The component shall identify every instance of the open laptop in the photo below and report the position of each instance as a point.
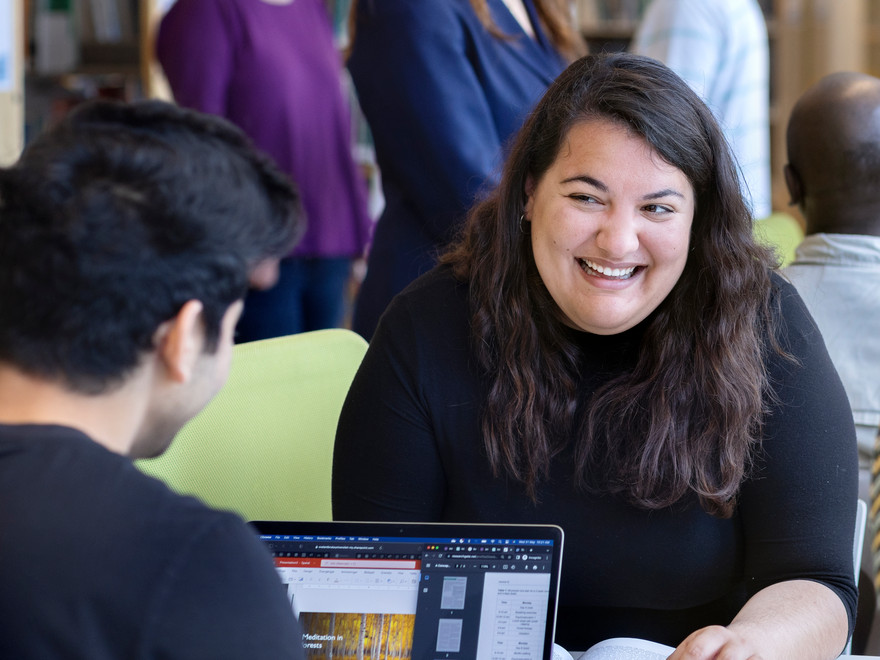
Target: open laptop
(421, 591)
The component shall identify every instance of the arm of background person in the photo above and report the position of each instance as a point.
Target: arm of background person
(798, 514)
(417, 81)
(687, 37)
(194, 47)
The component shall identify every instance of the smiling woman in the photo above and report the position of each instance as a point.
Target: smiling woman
(611, 224)
(608, 349)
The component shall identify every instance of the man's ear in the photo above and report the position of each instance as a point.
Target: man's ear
(180, 340)
(264, 275)
(794, 184)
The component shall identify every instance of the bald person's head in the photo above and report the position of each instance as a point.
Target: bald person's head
(833, 169)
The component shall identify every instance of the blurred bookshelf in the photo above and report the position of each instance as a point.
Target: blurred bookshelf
(75, 50)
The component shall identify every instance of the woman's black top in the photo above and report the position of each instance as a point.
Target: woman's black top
(409, 447)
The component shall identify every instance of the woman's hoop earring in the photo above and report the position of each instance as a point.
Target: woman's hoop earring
(522, 229)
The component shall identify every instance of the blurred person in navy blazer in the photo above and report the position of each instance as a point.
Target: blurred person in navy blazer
(443, 84)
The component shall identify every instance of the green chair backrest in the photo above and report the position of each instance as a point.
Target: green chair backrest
(782, 232)
(263, 447)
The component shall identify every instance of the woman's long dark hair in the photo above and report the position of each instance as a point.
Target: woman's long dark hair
(555, 18)
(688, 417)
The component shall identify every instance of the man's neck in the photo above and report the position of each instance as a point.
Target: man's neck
(842, 215)
(111, 419)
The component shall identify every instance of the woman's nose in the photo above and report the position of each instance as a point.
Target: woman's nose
(617, 235)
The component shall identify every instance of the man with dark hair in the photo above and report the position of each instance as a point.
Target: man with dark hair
(832, 174)
(128, 237)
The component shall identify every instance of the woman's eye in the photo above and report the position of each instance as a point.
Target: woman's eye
(581, 197)
(657, 209)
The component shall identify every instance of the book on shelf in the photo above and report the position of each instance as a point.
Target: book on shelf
(55, 38)
(108, 21)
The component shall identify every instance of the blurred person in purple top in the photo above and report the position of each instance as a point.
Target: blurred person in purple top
(271, 67)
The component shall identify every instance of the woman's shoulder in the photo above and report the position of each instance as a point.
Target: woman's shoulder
(440, 277)
(780, 286)
(436, 295)
(794, 325)
(787, 299)
(429, 321)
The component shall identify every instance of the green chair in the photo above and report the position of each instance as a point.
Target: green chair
(782, 232)
(263, 447)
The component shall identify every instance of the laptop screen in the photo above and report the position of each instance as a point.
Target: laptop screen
(423, 591)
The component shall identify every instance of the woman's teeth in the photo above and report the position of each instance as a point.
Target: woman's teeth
(618, 273)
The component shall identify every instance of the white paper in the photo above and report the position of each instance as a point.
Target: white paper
(626, 648)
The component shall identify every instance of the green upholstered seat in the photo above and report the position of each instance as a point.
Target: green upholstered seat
(263, 447)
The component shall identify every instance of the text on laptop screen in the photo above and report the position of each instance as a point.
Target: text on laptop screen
(418, 597)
